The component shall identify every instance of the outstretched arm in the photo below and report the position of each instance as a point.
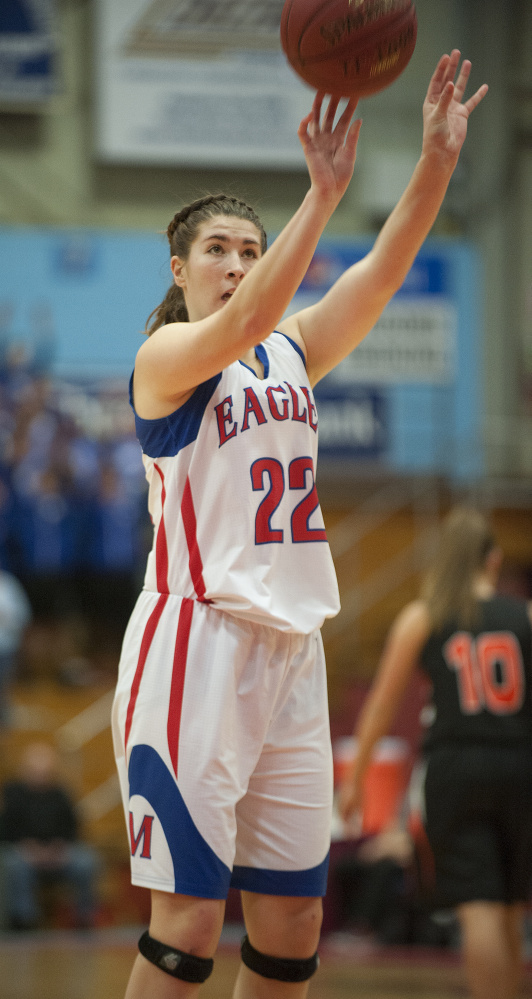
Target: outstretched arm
(399, 659)
(331, 329)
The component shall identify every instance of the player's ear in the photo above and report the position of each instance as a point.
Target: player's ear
(178, 270)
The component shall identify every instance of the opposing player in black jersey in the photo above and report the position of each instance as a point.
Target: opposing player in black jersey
(476, 647)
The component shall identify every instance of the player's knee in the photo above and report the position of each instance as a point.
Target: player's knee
(303, 921)
(281, 969)
(288, 926)
(175, 962)
(191, 924)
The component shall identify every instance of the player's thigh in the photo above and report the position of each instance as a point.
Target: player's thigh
(284, 819)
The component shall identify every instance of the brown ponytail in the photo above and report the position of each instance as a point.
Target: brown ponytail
(181, 233)
(171, 310)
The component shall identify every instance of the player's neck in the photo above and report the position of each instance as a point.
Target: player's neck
(484, 586)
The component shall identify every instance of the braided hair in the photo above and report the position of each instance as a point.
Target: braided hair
(181, 233)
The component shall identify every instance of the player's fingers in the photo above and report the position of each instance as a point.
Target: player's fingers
(473, 101)
(328, 120)
(454, 62)
(446, 97)
(351, 141)
(316, 107)
(437, 78)
(461, 83)
(344, 122)
(451, 67)
(302, 131)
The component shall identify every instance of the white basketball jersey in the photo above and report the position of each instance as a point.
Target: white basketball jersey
(232, 495)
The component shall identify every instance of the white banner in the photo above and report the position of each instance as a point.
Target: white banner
(198, 83)
(413, 341)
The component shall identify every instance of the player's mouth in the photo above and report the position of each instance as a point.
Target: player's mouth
(226, 296)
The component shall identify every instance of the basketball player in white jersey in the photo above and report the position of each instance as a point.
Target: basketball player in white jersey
(220, 717)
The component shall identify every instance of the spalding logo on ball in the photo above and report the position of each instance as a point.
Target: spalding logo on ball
(349, 48)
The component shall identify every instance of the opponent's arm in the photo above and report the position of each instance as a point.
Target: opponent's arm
(334, 326)
(399, 659)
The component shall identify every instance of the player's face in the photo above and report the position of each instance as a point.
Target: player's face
(224, 250)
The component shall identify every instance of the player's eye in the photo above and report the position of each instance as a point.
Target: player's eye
(215, 248)
(250, 253)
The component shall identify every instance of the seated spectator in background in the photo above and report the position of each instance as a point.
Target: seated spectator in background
(39, 831)
(373, 885)
(15, 615)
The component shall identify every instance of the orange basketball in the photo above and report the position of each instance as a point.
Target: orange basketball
(349, 48)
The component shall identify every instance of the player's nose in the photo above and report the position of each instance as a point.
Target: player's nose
(235, 267)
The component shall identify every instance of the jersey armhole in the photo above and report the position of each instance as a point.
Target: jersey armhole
(295, 346)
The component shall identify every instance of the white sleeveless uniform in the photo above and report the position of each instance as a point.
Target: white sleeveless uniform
(220, 720)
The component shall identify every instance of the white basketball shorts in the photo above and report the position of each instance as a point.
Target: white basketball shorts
(222, 743)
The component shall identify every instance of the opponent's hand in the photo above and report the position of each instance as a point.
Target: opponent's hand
(445, 117)
(330, 150)
(349, 799)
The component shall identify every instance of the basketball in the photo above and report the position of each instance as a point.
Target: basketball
(349, 48)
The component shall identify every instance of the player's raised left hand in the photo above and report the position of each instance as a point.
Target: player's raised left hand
(445, 113)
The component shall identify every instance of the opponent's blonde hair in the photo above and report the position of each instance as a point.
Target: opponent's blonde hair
(465, 542)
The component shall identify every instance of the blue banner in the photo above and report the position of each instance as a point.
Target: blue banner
(28, 50)
(409, 397)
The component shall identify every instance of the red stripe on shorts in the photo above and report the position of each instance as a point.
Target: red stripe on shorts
(194, 558)
(161, 545)
(178, 679)
(147, 638)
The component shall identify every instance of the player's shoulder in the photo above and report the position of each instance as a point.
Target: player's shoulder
(414, 620)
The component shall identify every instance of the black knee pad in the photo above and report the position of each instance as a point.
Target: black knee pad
(187, 967)
(284, 969)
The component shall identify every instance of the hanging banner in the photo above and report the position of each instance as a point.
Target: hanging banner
(28, 51)
(196, 82)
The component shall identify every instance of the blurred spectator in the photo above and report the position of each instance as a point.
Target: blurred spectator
(113, 521)
(71, 490)
(37, 428)
(110, 555)
(15, 615)
(39, 831)
(46, 526)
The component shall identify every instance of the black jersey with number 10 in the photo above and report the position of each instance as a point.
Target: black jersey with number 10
(481, 678)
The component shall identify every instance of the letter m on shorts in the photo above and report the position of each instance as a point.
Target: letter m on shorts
(143, 834)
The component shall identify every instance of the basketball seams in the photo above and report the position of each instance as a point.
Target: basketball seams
(377, 33)
(349, 50)
(294, 51)
(291, 51)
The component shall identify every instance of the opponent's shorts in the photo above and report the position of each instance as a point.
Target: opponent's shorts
(478, 819)
(222, 742)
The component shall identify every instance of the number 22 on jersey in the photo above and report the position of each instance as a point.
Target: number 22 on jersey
(269, 472)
